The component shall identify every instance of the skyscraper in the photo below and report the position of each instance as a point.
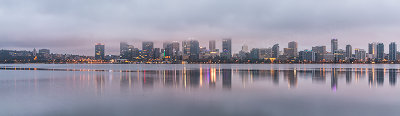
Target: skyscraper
(359, 54)
(99, 51)
(349, 52)
(227, 48)
(147, 49)
(372, 49)
(211, 45)
(392, 51)
(320, 51)
(44, 51)
(175, 47)
(380, 51)
(34, 52)
(191, 49)
(123, 49)
(245, 48)
(168, 49)
(275, 51)
(334, 45)
(293, 46)
(194, 50)
(147, 45)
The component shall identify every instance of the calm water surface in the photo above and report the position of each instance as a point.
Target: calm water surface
(199, 90)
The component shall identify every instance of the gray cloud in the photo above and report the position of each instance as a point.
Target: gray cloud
(261, 23)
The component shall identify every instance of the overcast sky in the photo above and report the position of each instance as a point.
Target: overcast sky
(74, 26)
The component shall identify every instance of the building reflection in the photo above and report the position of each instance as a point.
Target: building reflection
(334, 79)
(227, 78)
(148, 78)
(349, 74)
(371, 77)
(380, 76)
(392, 77)
(101, 82)
(275, 76)
(318, 76)
(291, 77)
(126, 81)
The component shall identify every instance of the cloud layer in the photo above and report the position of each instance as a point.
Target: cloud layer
(77, 24)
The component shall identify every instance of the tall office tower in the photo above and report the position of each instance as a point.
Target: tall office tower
(307, 55)
(319, 49)
(168, 49)
(255, 53)
(194, 50)
(359, 54)
(288, 52)
(211, 45)
(156, 53)
(175, 47)
(349, 52)
(245, 48)
(275, 51)
(34, 52)
(392, 51)
(334, 45)
(372, 49)
(191, 49)
(44, 51)
(147, 45)
(147, 49)
(99, 51)
(227, 48)
(123, 50)
(293, 46)
(380, 51)
(186, 48)
(171, 48)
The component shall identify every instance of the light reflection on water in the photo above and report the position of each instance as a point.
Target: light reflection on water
(202, 91)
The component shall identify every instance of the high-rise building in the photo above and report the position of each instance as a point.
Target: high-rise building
(99, 51)
(275, 51)
(334, 45)
(44, 51)
(307, 55)
(123, 50)
(156, 53)
(175, 47)
(147, 49)
(211, 45)
(372, 49)
(34, 52)
(265, 53)
(392, 51)
(360, 54)
(194, 50)
(320, 51)
(288, 52)
(147, 45)
(191, 49)
(227, 48)
(245, 48)
(255, 53)
(380, 51)
(349, 52)
(293, 45)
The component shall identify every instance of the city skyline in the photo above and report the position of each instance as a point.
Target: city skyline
(76, 25)
(218, 45)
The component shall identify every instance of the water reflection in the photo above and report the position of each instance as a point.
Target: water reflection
(211, 78)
